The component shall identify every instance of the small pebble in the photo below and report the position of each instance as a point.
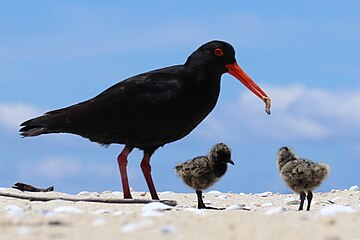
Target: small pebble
(154, 209)
(13, 208)
(335, 209)
(235, 207)
(23, 230)
(101, 211)
(49, 213)
(215, 192)
(13, 190)
(55, 223)
(67, 209)
(58, 202)
(335, 199)
(168, 229)
(289, 199)
(151, 214)
(98, 222)
(156, 206)
(195, 210)
(269, 204)
(117, 193)
(84, 193)
(292, 201)
(166, 192)
(14, 211)
(222, 196)
(275, 210)
(264, 194)
(131, 227)
(354, 188)
(118, 213)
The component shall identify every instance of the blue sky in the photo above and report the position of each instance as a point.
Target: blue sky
(304, 54)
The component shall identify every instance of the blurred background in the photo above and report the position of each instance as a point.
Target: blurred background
(304, 54)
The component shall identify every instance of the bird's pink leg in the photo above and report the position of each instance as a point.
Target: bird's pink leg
(146, 168)
(122, 162)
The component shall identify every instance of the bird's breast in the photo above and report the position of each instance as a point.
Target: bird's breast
(179, 116)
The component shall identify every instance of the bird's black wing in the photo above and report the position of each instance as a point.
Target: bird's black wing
(195, 168)
(115, 114)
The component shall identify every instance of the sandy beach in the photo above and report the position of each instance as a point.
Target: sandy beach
(334, 215)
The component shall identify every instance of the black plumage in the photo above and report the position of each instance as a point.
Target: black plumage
(151, 109)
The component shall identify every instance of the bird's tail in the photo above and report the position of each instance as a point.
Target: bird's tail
(47, 123)
(323, 171)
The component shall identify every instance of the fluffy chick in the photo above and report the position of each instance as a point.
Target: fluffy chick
(202, 172)
(301, 175)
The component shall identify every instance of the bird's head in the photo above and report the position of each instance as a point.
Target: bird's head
(284, 155)
(221, 153)
(218, 57)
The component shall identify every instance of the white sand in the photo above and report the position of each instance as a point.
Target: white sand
(333, 216)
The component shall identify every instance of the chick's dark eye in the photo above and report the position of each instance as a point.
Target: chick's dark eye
(224, 155)
(218, 52)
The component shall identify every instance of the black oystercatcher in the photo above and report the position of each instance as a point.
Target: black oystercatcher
(301, 175)
(202, 172)
(151, 109)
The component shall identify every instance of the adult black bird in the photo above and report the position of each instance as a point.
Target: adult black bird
(151, 109)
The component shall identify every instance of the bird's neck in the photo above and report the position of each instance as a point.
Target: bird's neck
(203, 77)
(283, 161)
(219, 168)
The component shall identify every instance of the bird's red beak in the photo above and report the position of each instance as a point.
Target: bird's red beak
(236, 71)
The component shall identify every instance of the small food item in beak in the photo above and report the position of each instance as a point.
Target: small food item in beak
(267, 104)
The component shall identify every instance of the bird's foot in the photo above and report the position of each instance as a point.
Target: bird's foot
(212, 208)
(127, 196)
(154, 196)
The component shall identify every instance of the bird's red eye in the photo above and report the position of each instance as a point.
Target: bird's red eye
(218, 52)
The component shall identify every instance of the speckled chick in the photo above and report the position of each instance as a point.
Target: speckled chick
(202, 172)
(301, 175)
